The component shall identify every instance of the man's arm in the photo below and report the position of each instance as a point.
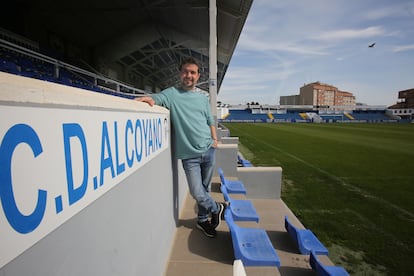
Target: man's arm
(146, 99)
(214, 135)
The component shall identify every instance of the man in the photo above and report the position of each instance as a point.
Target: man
(195, 141)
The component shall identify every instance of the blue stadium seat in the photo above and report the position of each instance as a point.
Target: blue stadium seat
(243, 162)
(305, 240)
(242, 210)
(325, 270)
(246, 163)
(9, 67)
(251, 245)
(233, 186)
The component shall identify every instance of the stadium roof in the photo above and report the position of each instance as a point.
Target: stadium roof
(147, 38)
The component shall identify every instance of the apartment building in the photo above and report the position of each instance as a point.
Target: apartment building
(319, 95)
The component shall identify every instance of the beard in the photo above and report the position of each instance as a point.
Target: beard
(188, 84)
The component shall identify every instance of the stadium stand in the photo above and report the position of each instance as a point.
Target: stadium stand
(334, 118)
(294, 116)
(289, 116)
(24, 62)
(370, 116)
(246, 115)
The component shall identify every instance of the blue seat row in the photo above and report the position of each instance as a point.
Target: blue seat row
(250, 245)
(309, 244)
(28, 66)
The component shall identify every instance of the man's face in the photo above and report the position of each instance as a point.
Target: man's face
(189, 76)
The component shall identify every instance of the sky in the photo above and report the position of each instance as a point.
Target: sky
(285, 44)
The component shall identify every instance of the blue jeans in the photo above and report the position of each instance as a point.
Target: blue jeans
(199, 172)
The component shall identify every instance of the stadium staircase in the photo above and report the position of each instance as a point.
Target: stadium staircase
(225, 116)
(349, 116)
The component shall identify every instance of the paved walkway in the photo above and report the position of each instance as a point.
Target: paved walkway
(195, 254)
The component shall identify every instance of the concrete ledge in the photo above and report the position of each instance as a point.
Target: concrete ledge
(222, 132)
(261, 182)
(226, 158)
(229, 140)
(21, 90)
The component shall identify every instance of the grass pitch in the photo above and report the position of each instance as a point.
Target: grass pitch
(351, 184)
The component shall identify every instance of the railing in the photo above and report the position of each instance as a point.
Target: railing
(99, 81)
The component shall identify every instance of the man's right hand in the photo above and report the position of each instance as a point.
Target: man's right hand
(145, 99)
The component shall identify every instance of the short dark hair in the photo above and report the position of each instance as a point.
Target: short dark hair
(189, 60)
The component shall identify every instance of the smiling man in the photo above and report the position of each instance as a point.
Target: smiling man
(195, 140)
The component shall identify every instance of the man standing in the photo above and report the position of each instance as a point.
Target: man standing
(195, 141)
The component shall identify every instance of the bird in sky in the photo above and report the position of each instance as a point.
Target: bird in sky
(371, 45)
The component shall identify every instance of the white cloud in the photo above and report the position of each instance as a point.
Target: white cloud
(394, 10)
(403, 48)
(260, 45)
(346, 34)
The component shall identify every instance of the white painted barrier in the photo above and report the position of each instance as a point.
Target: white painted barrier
(238, 268)
(62, 150)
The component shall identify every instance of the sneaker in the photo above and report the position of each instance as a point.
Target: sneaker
(205, 226)
(216, 218)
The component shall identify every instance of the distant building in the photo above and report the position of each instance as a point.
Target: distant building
(319, 94)
(405, 104)
(289, 100)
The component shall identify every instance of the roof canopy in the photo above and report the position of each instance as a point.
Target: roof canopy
(145, 38)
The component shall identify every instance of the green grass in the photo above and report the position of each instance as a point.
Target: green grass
(351, 184)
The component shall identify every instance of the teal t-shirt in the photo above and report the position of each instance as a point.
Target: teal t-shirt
(191, 119)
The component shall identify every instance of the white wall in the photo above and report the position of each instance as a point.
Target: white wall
(104, 211)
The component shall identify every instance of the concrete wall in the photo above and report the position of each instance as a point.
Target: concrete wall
(226, 158)
(122, 217)
(261, 182)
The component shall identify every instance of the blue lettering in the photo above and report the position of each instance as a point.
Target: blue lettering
(120, 168)
(159, 133)
(154, 130)
(145, 137)
(130, 158)
(138, 137)
(156, 142)
(150, 142)
(105, 162)
(72, 131)
(17, 134)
